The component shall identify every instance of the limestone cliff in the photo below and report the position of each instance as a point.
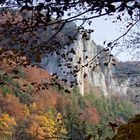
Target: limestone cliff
(79, 63)
(76, 57)
(72, 65)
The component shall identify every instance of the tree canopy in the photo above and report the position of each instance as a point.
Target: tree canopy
(58, 8)
(51, 12)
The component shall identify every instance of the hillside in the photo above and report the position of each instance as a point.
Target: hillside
(34, 105)
(63, 86)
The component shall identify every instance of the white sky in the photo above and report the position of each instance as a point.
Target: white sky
(105, 30)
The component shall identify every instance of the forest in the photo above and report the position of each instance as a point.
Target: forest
(58, 84)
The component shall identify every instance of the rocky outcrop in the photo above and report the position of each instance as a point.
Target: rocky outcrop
(128, 76)
(72, 65)
(81, 63)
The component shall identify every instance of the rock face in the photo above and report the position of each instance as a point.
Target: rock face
(128, 76)
(89, 74)
(72, 64)
(80, 62)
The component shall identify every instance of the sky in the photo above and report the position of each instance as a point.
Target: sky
(105, 30)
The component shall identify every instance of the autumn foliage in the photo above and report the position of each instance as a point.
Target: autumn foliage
(43, 126)
(36, 106)
(7, 125)
(90, 115)
(11, 105)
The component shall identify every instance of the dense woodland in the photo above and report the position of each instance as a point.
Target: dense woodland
(34, 105)
(36, 110)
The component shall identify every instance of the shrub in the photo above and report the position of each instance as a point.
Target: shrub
(42, 126)
(11, 105)
(7, 125)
